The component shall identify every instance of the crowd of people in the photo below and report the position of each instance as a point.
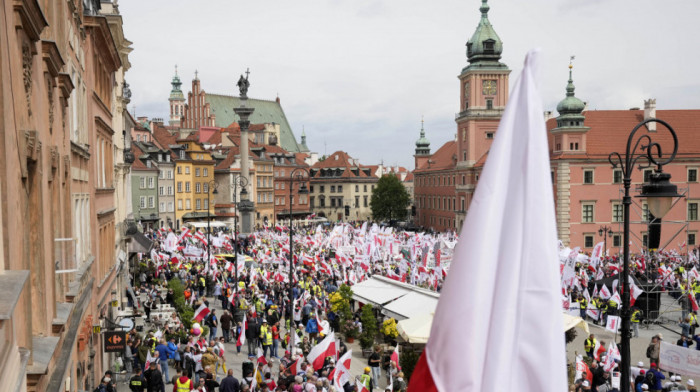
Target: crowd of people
(277, 323)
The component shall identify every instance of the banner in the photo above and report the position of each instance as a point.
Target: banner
(681, 360)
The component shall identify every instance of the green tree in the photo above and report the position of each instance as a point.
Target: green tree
(369, 327)
(390, 199)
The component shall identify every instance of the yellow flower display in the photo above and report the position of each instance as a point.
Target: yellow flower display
(389, 328)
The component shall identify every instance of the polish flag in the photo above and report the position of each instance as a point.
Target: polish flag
(693, 302)
(326, 348)
(634, 292)
(509, 250)
(201, 312)
(295, 366)
(321, 328)
(261, 356)
(241, 337)
(184, 232)
(360, 387)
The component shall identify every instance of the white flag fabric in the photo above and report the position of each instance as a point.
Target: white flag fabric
(508, 253)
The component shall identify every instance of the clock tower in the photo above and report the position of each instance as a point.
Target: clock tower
(483, 97)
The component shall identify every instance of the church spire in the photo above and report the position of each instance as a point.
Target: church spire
(422, 144)
(484, 48)
(176, 92)
(570, 108)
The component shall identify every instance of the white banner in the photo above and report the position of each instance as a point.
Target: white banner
(681, 360)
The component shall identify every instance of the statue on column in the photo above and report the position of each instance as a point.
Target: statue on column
(243, 84)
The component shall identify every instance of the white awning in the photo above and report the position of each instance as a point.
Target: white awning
(410, 305)
(376, 292)
(199, 225)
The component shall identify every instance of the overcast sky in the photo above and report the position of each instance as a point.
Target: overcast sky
(358, 75)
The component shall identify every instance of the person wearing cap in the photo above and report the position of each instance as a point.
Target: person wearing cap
(266, 338)
(657, 377)
(366, 379)
(691, 386)
(585, 386)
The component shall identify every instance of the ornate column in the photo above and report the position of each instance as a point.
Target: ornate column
(245, 206)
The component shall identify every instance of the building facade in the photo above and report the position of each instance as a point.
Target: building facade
(59, 212)
(144, 190)
(339, 181)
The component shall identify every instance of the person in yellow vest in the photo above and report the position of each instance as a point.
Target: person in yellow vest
(366, 379)
(589, 345)
(241, 285)
(583, 304)
(183, 384)
(636, 318)
(266, 338)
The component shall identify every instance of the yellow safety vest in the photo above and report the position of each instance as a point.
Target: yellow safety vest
(635, 316)
(263, 331)
(268, 338)
(590, 344)
(364, 379)
(183, 387)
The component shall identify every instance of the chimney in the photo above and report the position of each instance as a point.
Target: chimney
(650, 112)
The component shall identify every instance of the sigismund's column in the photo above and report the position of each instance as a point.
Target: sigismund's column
(246, 207)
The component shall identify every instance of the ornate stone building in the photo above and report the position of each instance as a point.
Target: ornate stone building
(57, 189)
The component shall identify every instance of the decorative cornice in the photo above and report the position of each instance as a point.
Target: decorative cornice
(31, 18)
(65, 84)
(52, 57)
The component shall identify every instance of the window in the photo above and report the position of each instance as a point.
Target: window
(151, 202)
(645, 240)
(198, 204)
(617, 241)
(647, 174)
(161, 190)
(206, 188)
(161, 174)
(587, 213)
(323, 188)
(321, 201)
(692, 175)
(693, 211)
(365, 201)
(357, 201)
(170, 190)
(179, 204)
(617, 176)
(187, 187)
(142, 201)
(282, 187)
(277, 185)
(357, 188)
(197, 187)
(311, 188)
(645, 212)
(489, 104)
(588, 176)
(206, 204)
(692, 239)
(179, 170)
(169, 174)
(489, 135)
(162, 206)
(332, 188)
(187, 170)
(340, 188)
(179, 186)
(588, 240)
(463, 204)
(372, 188)
(332, 201)
(142, 183)
(617, 212)
(188, 204)
(170, 206)
(206, 172)
(196, 172)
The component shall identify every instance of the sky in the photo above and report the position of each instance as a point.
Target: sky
(358, 75)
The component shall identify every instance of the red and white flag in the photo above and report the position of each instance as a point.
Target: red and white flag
(201, 312)
(395, 357)
(326, 348)
(361, 387)
(295, 366)
(241, 337)
(260, 356)
(508, 249)
(341, 372)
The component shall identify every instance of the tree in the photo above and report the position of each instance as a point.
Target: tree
(369, 327)
(390, 199)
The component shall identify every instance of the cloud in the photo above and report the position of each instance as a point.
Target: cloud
(358, 75)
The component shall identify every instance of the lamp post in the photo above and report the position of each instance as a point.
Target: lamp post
(299, 174)
(212, 184)
(605, 232)
(659, 192)
(242, 182)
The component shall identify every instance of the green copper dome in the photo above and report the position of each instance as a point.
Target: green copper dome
(422, 144)
(570, 108)
(485, 47)
(176, 93)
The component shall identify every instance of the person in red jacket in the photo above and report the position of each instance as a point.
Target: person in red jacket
(183, 384)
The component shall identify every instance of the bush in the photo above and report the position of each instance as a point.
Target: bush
(369, 327)
(408, 360)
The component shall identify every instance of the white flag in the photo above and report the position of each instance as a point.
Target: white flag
(508, 251)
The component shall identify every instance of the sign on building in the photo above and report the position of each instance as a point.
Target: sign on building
(115, 342)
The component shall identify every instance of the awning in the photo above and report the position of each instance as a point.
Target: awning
(574, 321)
(376, 292)
(201, 225)
(139, 243)
(411, 305)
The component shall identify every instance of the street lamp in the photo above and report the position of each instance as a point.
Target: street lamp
(299, 174)
(242, 182)
(605, 232)
(212, 185)
(659, 193)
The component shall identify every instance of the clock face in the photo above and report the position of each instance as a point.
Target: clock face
(466, 90)
(489, 87)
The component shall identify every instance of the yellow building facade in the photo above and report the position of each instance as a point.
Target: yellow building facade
(194, 176)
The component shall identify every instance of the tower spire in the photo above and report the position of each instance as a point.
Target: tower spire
(484, 48)
(422, 144)
(570, 108)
